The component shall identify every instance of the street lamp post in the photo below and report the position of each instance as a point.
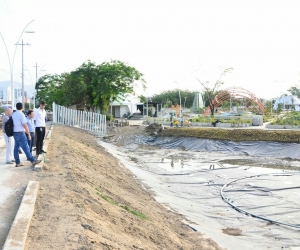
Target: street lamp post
(11, 64)
(22, 44)
(37, 75)
(184, 101)
(12, 67)
(179, 98)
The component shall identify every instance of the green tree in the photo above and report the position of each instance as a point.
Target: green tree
(101, 84)
(211, 89)
(279, 109)
(50, 88)
(170, 97)
(143, 99)
(295, 91)
(91, 85)
(268, 106)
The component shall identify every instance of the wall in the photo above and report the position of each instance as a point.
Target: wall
(124, 110)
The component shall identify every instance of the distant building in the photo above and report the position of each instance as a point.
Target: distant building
(290, 102)
(5, 92)
(130, 104)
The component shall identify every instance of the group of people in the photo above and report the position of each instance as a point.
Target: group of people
(26, 129)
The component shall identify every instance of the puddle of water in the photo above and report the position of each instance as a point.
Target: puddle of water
(264, 163)
(178, 165)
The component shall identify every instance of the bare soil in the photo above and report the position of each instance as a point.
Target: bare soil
(87, 200)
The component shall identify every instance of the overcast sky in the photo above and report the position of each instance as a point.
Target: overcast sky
(165, 40)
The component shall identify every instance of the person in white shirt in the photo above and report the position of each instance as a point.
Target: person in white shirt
(40, 127)
(20, 127)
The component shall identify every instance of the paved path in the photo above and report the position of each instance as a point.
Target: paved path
(13, 182)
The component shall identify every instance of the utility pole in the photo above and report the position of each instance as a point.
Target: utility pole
(23, 100)
(36, 67)
(36, 76)
(179, 98)
(37, 73)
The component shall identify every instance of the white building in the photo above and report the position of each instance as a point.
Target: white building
(5, 91)
(290, 102)
(130, 104)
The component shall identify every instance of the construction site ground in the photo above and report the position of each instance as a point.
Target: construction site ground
(119, 192)
(89, 200)
(188, 175)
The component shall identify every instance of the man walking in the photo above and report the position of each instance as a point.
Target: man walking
(40, 127)
(20, 127)
(10, 142)
(30, 124)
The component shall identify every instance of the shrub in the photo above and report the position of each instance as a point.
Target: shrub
(281, 122)
(202, 119)
(109, 117)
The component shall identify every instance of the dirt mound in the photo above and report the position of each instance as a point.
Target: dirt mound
(154, 128)
(87, 200)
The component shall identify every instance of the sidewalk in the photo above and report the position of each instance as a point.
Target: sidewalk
(13, 182)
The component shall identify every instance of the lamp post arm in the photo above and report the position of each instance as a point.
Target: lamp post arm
(6, 52)
(40, 72)
(29, 73)
(19, 41)
(12, 66)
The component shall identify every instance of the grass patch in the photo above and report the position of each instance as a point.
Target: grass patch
(104, 197)
(134, 212)
(127, 208)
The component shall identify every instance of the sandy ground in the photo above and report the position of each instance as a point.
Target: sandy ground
(87, 200)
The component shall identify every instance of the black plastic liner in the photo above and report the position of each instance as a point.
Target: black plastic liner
(259, 148)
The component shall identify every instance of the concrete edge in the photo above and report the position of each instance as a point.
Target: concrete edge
(17, 236)
(43, 157)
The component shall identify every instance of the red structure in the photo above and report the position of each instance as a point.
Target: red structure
(236, 93)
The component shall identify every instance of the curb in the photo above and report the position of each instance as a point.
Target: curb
(18, 232)
(42, 157)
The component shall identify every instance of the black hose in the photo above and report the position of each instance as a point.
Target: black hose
(255, 215)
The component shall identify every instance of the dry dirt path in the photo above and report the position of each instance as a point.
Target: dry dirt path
(88, 201)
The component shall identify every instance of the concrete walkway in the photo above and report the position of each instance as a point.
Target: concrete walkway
(13, 182)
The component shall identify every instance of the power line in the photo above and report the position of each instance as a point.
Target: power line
(9, 17)
(8, 10)
(4, 71)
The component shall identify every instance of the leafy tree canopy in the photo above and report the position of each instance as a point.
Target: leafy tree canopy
(143, 99)
(295, 91)
(91, 85)
(50, 89)
(170, 97)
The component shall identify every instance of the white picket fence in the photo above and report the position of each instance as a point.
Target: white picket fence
(90, 121)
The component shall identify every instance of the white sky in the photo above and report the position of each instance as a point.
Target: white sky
(165, 40)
